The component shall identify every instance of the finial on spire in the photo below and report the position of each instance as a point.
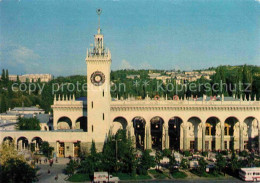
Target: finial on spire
(99, 11)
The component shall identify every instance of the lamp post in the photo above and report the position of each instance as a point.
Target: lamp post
(116, 150)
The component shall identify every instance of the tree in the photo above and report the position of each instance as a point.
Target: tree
(250, 160)
(3, 107)
(28, 124)
(172, 163)
(108, 156)
(146, 161)
(3, 76)
(71, 167)
(46, 149)
(158, 157)
(17, 79)
(16, 170)
(234, 163)
(8, 151)
(93, 150)
(6, 76)
(184, 163)
(202, 166)
(13, 166)
(167, 153)
(221, 162)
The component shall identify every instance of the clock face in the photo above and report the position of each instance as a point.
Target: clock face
(97, 78)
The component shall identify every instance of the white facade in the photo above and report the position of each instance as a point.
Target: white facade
(180, 124)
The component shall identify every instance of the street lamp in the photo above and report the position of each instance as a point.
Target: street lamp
(116, 149)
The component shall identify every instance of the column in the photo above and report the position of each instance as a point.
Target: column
(258, 138)
(222, 136)
(185, 137)
(203, 136)
(132, 134)
(148, 136)
(163, 137)
(241, 134)
(145, 138)
(73, 125)
(166, 137)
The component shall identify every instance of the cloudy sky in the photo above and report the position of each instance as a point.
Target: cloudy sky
(51, 36)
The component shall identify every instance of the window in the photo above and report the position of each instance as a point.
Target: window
(226, 130)
(207, 145)
(207, 131)
(103, 93)
(192, 144)
(225, 145)
(92, 104)
(103, 116)
(213, 145)
(92, 128)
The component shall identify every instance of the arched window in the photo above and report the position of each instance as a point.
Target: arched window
(208, 129)
(227, 129)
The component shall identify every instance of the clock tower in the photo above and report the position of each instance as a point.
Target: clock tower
(98, 61)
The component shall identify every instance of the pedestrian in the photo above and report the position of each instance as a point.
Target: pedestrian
(51, 162)
(40, 161)
(49, 171)
(56, 177)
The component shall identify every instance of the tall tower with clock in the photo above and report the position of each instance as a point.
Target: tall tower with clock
(98, 61)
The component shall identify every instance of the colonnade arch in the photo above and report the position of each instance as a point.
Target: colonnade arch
(157, 132)
(250, 132)
(139, 124)
(37, 141)
(22, 143)
(8, 139)
(174, 126)
(212, 133)
(194, 131)
(64, 123)
(82, 123)
(119, 123)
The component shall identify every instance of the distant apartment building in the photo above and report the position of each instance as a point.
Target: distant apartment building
(154, 75)
(191, 72)
(9, 119)
(133, 76)
(181, 78)
(208, 72)
(31, 77)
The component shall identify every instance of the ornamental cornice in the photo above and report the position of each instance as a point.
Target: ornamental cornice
(185, 108)
(68, 106)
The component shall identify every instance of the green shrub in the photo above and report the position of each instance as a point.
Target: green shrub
(225, 152)
(179, 175)
(243, 153)
(205, 153)
(184, 163)
(186, 153)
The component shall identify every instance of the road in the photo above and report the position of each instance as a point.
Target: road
(56, 169)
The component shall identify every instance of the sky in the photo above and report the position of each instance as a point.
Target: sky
(52, 36)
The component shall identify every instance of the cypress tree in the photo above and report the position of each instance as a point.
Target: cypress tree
(3, 104)
(7, 75)
(3, 75)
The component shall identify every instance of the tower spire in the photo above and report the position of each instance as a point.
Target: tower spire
(99, 11)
